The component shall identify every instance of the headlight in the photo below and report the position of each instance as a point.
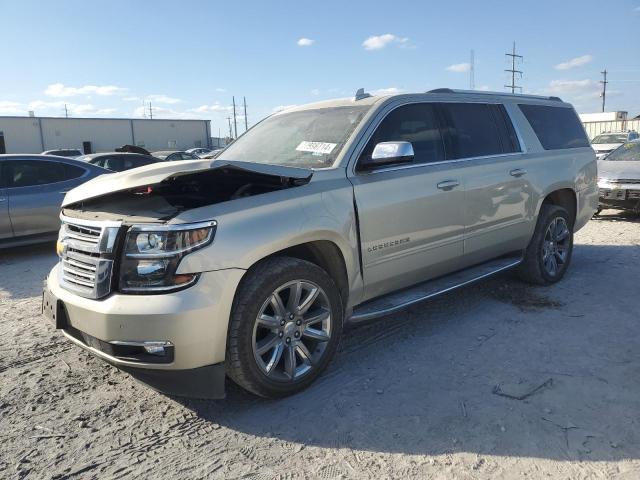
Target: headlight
(152, 254)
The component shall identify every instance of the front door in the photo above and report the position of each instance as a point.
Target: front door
(35, 190)
(410, 215)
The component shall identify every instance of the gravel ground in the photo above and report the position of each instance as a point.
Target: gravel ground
(497, 380)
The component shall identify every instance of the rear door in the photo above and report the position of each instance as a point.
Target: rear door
(410, 215)
(35, 191)
(482, 136)
(5, 223)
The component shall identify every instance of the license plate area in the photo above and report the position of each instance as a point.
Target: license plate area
(54, 310)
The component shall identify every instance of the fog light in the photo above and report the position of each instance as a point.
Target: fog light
(154, 349)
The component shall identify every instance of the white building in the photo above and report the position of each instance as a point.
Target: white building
(37, 134)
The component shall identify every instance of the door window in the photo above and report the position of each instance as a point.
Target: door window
(472, 130)
(28, 173)
(415, 123)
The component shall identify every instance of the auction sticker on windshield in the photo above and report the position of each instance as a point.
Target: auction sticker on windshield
(316, 147)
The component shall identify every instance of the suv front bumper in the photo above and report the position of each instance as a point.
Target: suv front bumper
(190, 325)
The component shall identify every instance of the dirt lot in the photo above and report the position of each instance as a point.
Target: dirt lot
(425, 394)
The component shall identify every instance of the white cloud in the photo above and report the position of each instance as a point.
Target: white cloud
(305, 42)
(221, 90)
(483, 88)
(459, 67)
(637, 9)
(315, 92)
(56, 108)
(377, 42)
(132, 99)
(60, 90)
(387, 91)
(10, 108)
(215, 108)
(280, 108)
(574, 62)
(164, 99)
(571, 86)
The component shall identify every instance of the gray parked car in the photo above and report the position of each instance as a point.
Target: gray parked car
(249, 265)
(619, 178)
(31, 190)
(173, 155)
(64, 152)
(119, 162)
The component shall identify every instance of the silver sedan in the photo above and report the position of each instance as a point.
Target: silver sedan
(31, 190)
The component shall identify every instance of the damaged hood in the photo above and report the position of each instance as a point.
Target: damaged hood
(615, 170)
(158, 172)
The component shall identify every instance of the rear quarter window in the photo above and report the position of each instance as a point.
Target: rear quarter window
(557, 128)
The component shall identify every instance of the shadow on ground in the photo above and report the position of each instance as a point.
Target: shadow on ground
(441, 377)
(23, 269)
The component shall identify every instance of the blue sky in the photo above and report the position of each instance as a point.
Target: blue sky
(188, 57)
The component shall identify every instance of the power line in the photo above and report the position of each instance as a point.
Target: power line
(235, 122)
(472, 73)
(246, 123)
(604, 87)
(513, 70)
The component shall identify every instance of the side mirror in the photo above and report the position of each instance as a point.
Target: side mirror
(388, 153)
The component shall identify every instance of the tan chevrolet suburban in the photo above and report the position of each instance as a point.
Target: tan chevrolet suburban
(250, 265)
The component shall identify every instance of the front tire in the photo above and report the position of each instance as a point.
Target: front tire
(548, 255)
(285, 326)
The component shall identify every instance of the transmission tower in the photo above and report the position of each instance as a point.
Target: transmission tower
(513, 70)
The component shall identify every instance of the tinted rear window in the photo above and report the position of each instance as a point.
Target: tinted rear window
(478, 130)
(557, 128)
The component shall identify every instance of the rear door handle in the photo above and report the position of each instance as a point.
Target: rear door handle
(518, 172)
(448, 185)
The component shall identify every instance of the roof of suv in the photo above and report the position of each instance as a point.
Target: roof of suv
(439, 93)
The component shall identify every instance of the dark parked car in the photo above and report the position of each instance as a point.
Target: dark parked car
(31, 190)
(173, 155)
(64, 152)
(118, 162)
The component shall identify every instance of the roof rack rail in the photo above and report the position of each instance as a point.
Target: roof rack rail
(360, 94)
(441, 90)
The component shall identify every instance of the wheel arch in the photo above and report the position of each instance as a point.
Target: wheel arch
(563, 197)
(326, 255)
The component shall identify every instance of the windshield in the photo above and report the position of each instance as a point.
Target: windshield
(309, 138)
(629, 152)
(611, 138)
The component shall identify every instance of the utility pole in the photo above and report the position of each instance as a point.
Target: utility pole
(604, 88)
(230, 131)
(472, 80)
(235, 122)
(246, 123)
(150, 111)
(66, 112)
(513, 70)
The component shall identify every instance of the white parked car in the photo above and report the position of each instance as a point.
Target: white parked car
(607, 142)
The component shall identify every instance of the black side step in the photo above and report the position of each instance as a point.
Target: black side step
(395, 301)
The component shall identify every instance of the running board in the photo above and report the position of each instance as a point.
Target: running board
(395, 301)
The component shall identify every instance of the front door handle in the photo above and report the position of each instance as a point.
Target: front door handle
(448, 185)
(518, 172)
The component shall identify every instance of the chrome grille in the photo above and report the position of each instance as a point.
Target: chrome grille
(86, 261)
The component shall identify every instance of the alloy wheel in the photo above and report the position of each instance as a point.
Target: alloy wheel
(292, 330)
(555, 249)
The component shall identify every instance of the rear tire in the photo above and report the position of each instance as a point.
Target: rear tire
(285, 327)
(548, 255)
